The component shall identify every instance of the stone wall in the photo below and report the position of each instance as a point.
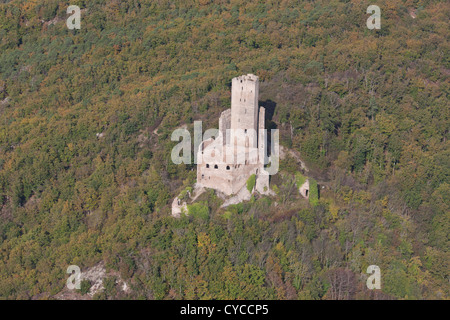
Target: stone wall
(227, 178)
(304, 189)
(224, 125)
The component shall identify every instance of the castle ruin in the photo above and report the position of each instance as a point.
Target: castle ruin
(228, 161)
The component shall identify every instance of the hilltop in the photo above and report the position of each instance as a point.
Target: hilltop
(86, 118)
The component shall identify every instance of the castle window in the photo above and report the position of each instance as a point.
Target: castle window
(207, 165)
(216, 166)
(241, 81)
(245, 130)
(203, 176)
(228, 167)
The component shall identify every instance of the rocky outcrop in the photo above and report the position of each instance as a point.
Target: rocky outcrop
(95, 276)
(242, 195)
(178, 207)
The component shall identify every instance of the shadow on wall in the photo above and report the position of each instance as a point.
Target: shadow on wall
(270, 106)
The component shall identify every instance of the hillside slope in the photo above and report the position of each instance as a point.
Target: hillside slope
(85, 171)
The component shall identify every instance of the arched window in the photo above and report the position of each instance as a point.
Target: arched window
(207, 165)
(216, 166)
(228, 167)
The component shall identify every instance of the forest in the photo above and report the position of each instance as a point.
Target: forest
(86, 174)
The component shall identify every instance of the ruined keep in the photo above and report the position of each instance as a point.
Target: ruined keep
(228, 161)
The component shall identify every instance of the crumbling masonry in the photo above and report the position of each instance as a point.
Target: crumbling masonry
(227, 162)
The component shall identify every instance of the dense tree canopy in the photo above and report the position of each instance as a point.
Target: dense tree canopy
(85, 171)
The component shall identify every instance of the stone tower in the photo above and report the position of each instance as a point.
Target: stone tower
(244, 111)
